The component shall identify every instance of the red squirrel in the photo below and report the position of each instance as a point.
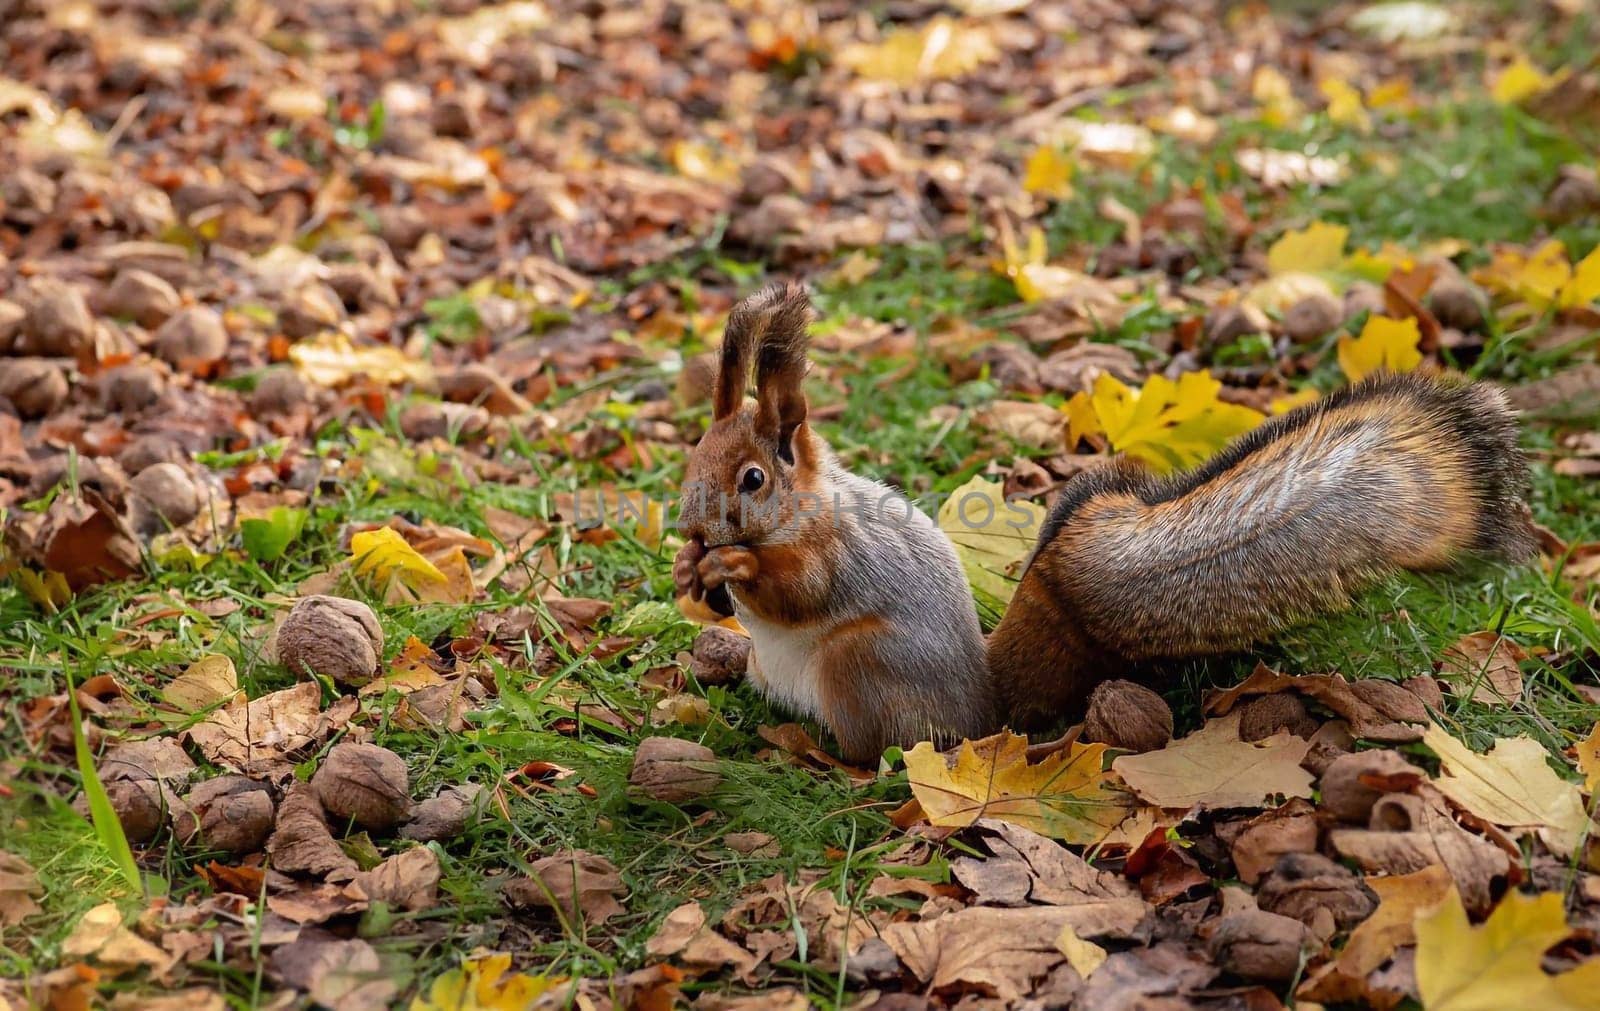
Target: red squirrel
(859, 613)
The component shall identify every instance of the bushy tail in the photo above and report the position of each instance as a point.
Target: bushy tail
(768, 331)
(1396, 472)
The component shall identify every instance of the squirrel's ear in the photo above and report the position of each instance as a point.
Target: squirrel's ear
(781, 364)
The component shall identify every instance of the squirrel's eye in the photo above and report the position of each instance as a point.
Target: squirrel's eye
(753, 479)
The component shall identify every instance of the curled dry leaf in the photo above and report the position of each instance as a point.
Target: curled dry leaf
(1512, 786)
(583, 887)
(408, 880)
(346, 975)
(1476, 865)
(1484, 667)
(1067, 796)
(302, 844)
(684, 937)
(445, 815)
(1213, 766)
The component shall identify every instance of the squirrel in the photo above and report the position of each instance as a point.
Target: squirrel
(860, 615)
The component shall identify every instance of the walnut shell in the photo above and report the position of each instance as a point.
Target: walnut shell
(230, 813)
(445, 815)
(163, 495)
(1256, 944)
(673, 770)
(1128, 716)
(364, 784)
(310, 310)
(58, 323)
(146, 298)
(193, 336)
(139, 806)
(1363, 297)
(1312, 317)
(1265, 715)
(279, 391)
(1457, 303)
(719, 656)
(149, 450)
(1226, 324)
(35, 387)
(1345, 796)
(129, 388)
(331, 636)
(1305, 885)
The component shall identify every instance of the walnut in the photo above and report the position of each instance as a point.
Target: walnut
(1265, 715)
(35, 387)
(720, 655)
(149, 450)
(58, 323)
(309, 310)
(279, 391)
(162, 496)
(1345, 796)
(1256, 944)
(140, 807)
(364, 784)
(331, 636)
(1363, 297)
(673, 770)
(231, 813)
(1127, 716)
(1305, 885)
(1312, 317)
(444, 816)
(141, 296)
(1226, 324)
(1457, 303)
(129, 388)
(192, 337)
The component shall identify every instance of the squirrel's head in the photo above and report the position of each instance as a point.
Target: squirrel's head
(745, 478)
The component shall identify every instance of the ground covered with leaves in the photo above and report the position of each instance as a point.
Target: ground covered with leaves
(349, 356)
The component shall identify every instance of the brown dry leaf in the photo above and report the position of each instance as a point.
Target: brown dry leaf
(584, 887)
(1376, 710)
(99, 935)
(684, 937)
(1374, 941)
(1026, 868)
(1031, 424)
(408, 880)
(19, 887)
(1512, 786)
(411, 670)
(1483, 665)
(302, 844)
(345, 975)
(1213, 766)
(1003, 952)
(79, 536)
(1067, 796)
(262, 738)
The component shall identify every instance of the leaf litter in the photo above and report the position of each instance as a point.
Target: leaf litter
(281, 285)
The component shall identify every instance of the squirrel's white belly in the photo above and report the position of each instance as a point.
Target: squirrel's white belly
(786, 657)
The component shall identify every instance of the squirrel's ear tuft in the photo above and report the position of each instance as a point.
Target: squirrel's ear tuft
(768, 330)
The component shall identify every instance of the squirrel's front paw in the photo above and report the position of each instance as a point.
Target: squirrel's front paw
(727, 564)
(686, 572)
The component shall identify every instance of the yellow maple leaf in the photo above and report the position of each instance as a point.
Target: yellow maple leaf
(483, 984)
(940, 49)
(1520, 81)
(1314, 249)
(1344, 103)
(383, 553)
(1068, 796)
(1538, 277)
(1497, 965)
(1396, 91)
(1584, 285)
(1171, 426)
(1511, 786)
(1385, 344)
(992, 536)
(1273, 92)
(330, 359)
(1034, 278)
(1048, 173)
(1588, 751)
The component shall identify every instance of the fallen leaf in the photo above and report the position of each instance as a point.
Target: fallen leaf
(407, 880)
(1484, 666)
(262, 738)
(1588, 751)
(1048, 173)
(684, 937)
(206, 682)
(1214, 767)
(484, 983)
(1084, 956)
(1315, 249)
(1067, 796)
(100, 936)
(1385, 345)
(992, 536)
(1344, 103)
(1026, 868)
(1032, 424)
(1170, 426)
(19, 887)
(584, 887)
(331, 359)
(1584, 285)
(940, 48)
(301, 842)
(1538, 277)
(344, 975)
(1376, 710)
(383, 554)
(1374, 941)
(1512, 786)
(1497, 965)
(1519, 82)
